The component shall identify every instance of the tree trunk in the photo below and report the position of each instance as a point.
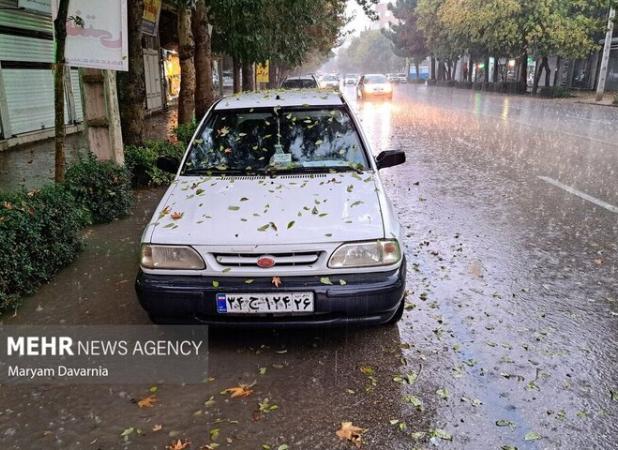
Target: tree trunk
(203, 60)
(496, 69)
(454, 73)
(247, 76)
(131, 84)
(186, 48)
(236, 74)
(448, 70)
(557, 73)
(547, 71)
(523, 73)
(60, 31)
(433, 68)
(486, 71)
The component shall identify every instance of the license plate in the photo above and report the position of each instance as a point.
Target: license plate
(248, 303)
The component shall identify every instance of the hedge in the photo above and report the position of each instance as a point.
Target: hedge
(141, 162)
(102, 188)
(40, 231)
(39, 235)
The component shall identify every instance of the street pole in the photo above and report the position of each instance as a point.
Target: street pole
(606, 51)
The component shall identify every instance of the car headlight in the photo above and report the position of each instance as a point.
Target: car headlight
(171, 257)
(366, 254)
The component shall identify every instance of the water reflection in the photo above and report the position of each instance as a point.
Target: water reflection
(376, 118)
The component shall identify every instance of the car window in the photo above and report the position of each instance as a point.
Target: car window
(276, 139)
(370, 79)
(299, 83)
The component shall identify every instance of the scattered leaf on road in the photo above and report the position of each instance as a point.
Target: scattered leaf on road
(351, 433)
(242, 390)
(147, 402)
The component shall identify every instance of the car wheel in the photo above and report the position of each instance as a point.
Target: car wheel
(398, 314)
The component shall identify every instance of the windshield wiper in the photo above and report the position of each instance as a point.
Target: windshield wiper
(212, 171)
(304, 169)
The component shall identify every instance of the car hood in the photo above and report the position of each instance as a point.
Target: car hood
(251, 210)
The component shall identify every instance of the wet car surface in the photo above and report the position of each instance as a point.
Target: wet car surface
(511, 326)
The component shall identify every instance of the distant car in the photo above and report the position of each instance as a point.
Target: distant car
(350, 78)
(228, 79)
(300, 82)
(374, 85)
(399, 78)
(329, 81)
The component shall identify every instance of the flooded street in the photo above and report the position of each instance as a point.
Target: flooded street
(510, 334)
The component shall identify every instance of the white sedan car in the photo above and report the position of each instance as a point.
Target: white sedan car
(276, 217)
(374, 85)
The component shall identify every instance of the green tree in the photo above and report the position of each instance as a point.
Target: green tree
(371, 51)
(408, 40)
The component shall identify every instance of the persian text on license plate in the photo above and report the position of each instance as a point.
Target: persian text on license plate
(248, 303)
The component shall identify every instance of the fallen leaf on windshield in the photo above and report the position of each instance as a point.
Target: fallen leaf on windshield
(351, 433)
(242, 390)
(177, 215)
(178, 445)
(276, 281)
(157, 427)
(147, 402)
(291, 224)
(233, 208)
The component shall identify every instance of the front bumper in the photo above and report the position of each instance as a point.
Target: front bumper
(365, 299)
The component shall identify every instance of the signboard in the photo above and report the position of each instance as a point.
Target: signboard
(152, 11)
(261, 73)
(43, 6)
(101, 41)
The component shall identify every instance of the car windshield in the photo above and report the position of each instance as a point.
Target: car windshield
(268, 140)
(330, 78)
(299, 83)
(375, 79)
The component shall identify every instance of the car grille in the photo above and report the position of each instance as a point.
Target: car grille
(281, 259)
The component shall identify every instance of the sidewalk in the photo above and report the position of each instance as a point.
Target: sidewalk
(589, 98)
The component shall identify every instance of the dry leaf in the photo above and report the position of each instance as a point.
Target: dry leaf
(242, 390)
(351, 433)
(157, 427)
(176, 215)
(178, 445)
(276, 281)
(147, 402)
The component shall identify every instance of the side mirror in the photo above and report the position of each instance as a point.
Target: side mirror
(390, 158)
(168, 164)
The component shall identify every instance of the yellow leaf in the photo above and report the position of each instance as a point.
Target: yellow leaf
(241, 390)
(276, 281)
(178, 445)
(147, 402)
(351, 433)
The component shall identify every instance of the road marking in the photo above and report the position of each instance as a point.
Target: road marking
(581, 194)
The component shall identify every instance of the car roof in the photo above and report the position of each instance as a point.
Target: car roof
(283, 98)
(300, 77)
(374, 75)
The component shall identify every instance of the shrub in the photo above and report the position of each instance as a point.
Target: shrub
(102, 188)
(39, 234)
(185, 131)
(141, 162)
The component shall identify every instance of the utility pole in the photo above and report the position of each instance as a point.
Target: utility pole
(606, 51)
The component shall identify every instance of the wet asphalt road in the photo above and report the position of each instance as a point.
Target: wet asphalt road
(511, 325)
